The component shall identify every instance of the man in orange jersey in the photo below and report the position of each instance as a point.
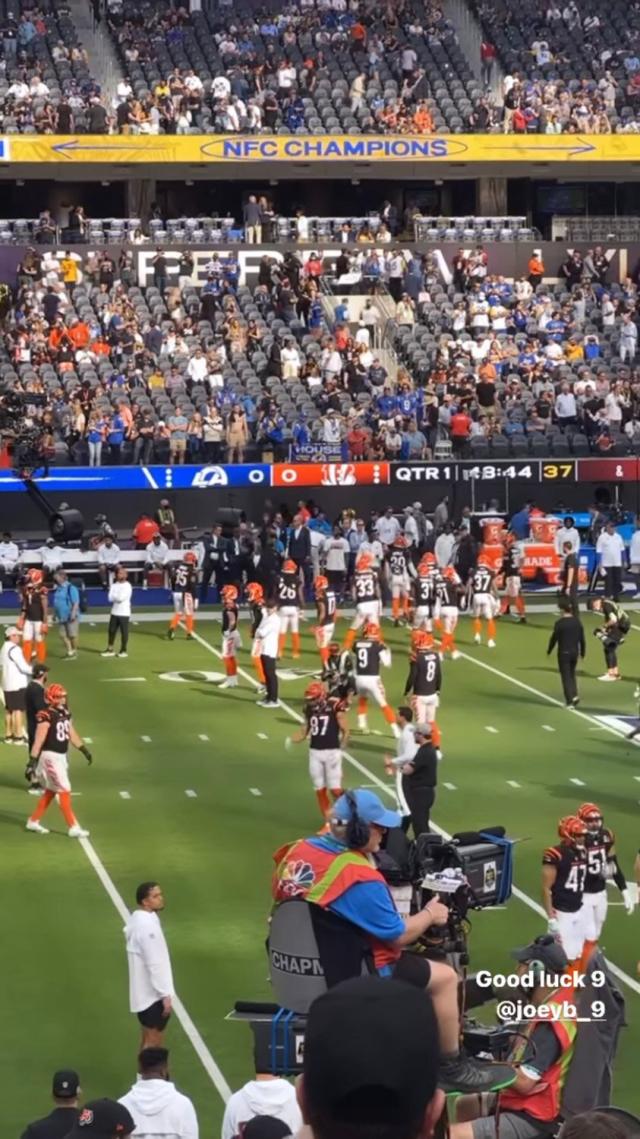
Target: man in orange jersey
(366, 592)
(33, 616)
(230, 635)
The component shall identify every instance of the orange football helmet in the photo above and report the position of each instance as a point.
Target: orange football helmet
(35, 576)
(229, 593)
(364, 562)
(572, 829)
(321, 583)
(591, 815)
(428, 559)
(315, 691)
(289, 566)
(420, 639)
(372, 631)
(449, 573)
(400, 540)
(255, 592)
(55, 694)
(191, 558)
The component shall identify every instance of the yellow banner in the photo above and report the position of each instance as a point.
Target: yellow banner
(228, 149)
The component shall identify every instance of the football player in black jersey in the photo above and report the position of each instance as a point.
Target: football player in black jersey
(255, 597)
(426, 589)
(369, 654)
(33, 619)
(510, 571)
(564, 872)
(326, 606)
(54, 733)
(602, 864)
(290, 603)
(612, 633)
(231, 641)
(184, 587)
(424, 682)
(327, 730)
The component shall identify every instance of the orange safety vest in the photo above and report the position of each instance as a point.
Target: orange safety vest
(544, 1101)
(304, 871)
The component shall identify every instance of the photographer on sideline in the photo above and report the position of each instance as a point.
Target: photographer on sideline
(340, 875)
(543, 1048)
(612, 633)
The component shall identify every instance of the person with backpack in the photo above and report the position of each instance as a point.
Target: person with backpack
(66, 606)
(612, 633)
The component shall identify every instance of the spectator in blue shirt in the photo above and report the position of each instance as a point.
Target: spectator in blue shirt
(300, 432)
(115, 438)
(66, 606)
(519, 524)
(387, 405)
(341, 312)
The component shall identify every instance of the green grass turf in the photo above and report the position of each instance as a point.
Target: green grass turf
(62, 952)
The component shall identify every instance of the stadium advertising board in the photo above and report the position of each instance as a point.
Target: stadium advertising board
(508, 259)
(411, 475)
(229, 150)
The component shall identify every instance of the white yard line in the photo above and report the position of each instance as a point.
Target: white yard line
(488, 728)
(547, 728)
(191, 794)
(146, 739)
(189, 1028)
(449, 786)
(123, 679)
(262, 736)
(512, 783)
(124, 795)
(630, 982)
(256, 791)
(205, 739)
(578, 782)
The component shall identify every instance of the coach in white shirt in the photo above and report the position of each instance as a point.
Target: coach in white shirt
(120, 616)
(15, 677)
(156, 555)
(151, 988)
(610, 550)
(567, 533)
(406, 748)
(267, 640)
(108, 558)
(9, 558)
(387, 527)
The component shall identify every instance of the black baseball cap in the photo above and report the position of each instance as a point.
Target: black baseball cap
(102, 1119)
(371, 1052)
(66, 1083)
(546, 949)
(265, 1127)
(40, 670)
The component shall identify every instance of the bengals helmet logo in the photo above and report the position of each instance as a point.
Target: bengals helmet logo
(86, 1117)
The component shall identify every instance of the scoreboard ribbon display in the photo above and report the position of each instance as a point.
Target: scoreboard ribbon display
(327, 474)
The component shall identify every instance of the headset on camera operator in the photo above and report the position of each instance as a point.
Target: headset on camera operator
(336, 875)
(544, 1048)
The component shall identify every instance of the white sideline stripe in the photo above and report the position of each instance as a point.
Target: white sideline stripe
(146, 739)
(449, 786)
(578, 782)
(542, 695)
(547, 728)
(122, 679)
(630, 982)
(488, 728)
(512, 783)
(88, 739)
(191, 794)
(256, 791)
(205, 739)
(189, 1028)
(262, 736)
(637, 778)
(124, 795)
(376, 732)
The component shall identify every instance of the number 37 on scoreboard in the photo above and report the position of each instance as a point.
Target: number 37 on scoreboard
(559, 470)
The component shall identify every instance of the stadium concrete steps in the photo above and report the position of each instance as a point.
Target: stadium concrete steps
(104, 65)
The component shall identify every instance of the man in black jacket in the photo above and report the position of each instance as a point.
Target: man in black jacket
(419, 779)
(66, 1088)
(299, 545)
(569, 577)
(568, 635)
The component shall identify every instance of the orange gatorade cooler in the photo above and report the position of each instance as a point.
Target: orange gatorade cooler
(544, 530)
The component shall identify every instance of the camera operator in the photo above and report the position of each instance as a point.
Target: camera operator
(340, 875)
(612, 633)
(543, 1048)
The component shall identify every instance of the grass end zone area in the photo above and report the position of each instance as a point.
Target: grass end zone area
(193, 786)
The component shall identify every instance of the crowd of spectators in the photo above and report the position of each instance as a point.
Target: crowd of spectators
(110, 372)
(45, 83)
(566, 69)
(326, 67)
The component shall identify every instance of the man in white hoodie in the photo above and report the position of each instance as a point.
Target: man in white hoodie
(159, 1109)
(265, 1095)
(150, 977)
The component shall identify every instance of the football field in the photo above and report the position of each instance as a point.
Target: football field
(193, 786)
